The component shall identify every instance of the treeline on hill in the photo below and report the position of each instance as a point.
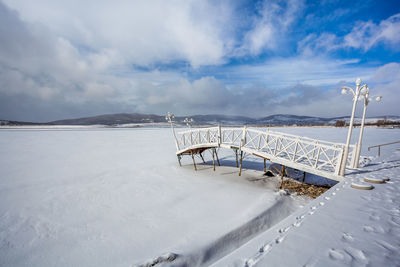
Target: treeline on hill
(379, 123)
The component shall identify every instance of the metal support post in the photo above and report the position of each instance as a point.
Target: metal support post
(216, 155)
(194, 162)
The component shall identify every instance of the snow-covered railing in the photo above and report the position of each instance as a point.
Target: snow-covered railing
(196, 138)
(303, 153)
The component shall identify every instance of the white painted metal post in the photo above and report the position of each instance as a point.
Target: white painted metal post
(317, 159)
(259, 142)
(276, 146)
(358, 147)
(352, 156)
(346, 148)
(170, 118)
(339, 161)
(219, 135)
(244, 135)
(295, 150)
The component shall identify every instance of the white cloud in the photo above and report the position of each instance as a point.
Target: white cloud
(384, 81)
(287, 72)
(365, 35)
(273, 21)
(143, 32)
(313, 44)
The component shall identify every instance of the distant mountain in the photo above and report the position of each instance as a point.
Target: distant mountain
(117, 119)
(20, 123)
(112, 119)
(220, 119)
(136, 118)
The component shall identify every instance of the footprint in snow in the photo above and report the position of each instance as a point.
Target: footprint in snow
(313, 208)
(265, 249)
(300, 217)
(327, 198)
(347, 237)
(250, 263)
(386, 246)
(169, 257)
(374, 218)
(356, 254)
(336, 254)
(321, 203)
(279, 239)
(368, 229)
(297, 224)
(333, 193)
(282, 230)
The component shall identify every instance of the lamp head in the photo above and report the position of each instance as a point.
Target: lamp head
(344, 91)
(378, 98)
(358, 81)
(364, 90)
(169, 117)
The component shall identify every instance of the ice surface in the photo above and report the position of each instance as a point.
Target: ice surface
(117, 197)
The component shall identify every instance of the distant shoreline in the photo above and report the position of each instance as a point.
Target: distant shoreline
(166, 125)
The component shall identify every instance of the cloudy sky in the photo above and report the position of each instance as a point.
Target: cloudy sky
(65, 59)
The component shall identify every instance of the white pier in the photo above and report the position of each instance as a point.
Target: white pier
(305, 154)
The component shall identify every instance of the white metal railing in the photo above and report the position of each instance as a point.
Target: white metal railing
(379, 146)
(295, 151)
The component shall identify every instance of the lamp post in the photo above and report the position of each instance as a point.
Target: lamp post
(188, 122)
(367, 99)
(170, 118)
(356, 93)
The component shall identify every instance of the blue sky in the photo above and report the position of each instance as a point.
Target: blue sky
(65, 59)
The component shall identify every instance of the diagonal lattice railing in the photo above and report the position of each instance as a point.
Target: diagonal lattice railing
(311, 155)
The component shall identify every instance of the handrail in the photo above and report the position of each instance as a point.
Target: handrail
(235, 128)
(379, 146)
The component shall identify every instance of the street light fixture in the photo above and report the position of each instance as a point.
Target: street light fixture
(364, 96)
(170, 118)
(356, 94)
(188, 122)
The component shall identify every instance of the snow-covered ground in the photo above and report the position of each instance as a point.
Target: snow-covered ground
(117, 197)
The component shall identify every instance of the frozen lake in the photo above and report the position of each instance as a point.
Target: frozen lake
(117, 197)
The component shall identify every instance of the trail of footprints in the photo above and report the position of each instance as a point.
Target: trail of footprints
(267, 247)
(348, 254)
(351, 255)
